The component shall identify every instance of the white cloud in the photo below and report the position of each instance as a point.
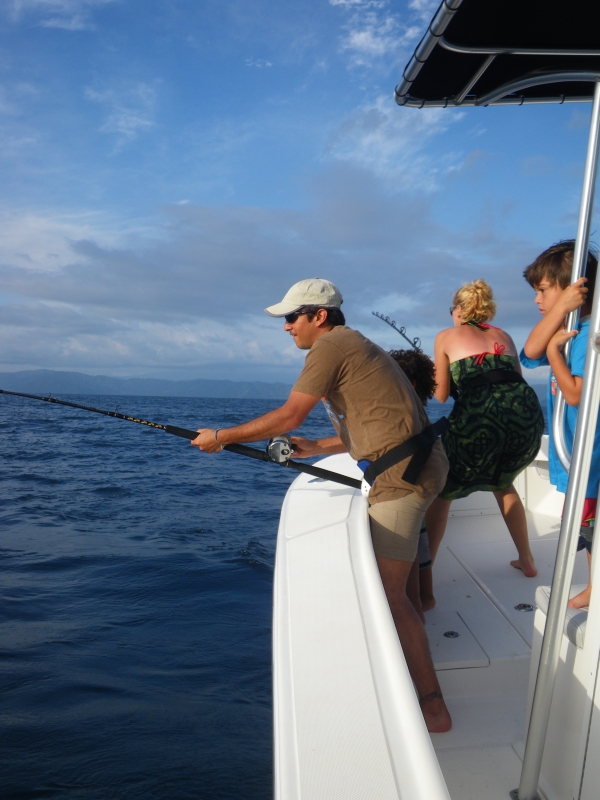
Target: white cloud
(373, 31)
(358, 3)
(80, 293)
(131, 109)
(390, 304)
(7, 106)
(43, 243)
(390, 142)
(371, 35)
(60, 335)
(12, 97)
(424, 8)
(260, 63)
(71, 15)
(17, 135)
(14, 144)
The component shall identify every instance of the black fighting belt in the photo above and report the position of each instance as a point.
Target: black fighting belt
(418, 446)
(492, 376)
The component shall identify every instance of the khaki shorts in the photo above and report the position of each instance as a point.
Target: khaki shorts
(395, 526)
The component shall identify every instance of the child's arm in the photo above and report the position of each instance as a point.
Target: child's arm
(572, 297)
(570, 385)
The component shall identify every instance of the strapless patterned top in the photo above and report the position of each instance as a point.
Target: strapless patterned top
(495, 429)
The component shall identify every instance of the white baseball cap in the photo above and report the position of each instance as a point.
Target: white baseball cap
(311, 292)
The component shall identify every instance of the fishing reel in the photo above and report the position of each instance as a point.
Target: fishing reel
(280, 449)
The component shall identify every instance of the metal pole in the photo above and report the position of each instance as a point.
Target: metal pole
(578, 478)
(582, 243)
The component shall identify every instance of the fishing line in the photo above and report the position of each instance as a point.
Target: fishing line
(276, 452)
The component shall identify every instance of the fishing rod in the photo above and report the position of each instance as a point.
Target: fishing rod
(278, 451)
(416, 342)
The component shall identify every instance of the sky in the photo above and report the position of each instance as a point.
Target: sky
(168, 168)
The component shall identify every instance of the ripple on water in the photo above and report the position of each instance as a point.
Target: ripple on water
(135, 605)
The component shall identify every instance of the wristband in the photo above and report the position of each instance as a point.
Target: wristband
(216, 440)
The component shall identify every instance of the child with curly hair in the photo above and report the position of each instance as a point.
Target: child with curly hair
(420, 370)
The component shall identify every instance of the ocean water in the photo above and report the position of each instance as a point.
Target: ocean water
(135, 603)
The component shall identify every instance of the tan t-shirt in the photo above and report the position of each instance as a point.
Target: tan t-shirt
(372, 406)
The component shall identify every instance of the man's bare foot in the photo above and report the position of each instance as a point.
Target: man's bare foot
(436, 715)
(526, 565)
(428, 603)
(581, 600)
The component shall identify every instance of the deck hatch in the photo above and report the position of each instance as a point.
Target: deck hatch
(459, 651)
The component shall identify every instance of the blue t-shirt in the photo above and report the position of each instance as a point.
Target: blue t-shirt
(558, 475)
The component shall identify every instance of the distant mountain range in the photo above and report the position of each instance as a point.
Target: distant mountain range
(42, 381)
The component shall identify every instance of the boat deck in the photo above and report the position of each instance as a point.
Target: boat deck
(475, 582)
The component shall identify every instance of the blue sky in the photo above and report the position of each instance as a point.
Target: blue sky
(171, 167)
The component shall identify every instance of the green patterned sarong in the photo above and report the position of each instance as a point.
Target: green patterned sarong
(495, 429)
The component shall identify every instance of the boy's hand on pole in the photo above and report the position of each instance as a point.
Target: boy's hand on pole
(574, 296)
(560, 337)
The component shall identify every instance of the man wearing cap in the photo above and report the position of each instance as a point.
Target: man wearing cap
(373, 408)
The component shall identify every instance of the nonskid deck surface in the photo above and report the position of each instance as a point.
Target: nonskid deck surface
(483, 548)
(475, 581)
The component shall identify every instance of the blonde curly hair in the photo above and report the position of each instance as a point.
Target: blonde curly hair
(476, 301)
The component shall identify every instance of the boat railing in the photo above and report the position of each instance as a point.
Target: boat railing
(416, 769)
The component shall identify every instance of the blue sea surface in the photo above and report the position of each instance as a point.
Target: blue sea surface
(135, 604)
(135, 625)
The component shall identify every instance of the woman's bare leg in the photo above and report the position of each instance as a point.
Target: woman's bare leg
(513, 512)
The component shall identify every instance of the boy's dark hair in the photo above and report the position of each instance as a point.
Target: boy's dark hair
(335, 316)
(419, 369)
(556, 264)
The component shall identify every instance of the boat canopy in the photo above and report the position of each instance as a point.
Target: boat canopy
(505, 52)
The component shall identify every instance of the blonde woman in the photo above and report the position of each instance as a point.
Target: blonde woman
(496, 423)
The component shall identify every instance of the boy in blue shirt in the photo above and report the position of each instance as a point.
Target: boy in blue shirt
(550, 275)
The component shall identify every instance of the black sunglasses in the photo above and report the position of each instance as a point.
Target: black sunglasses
(452, 309)
(291, 318)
